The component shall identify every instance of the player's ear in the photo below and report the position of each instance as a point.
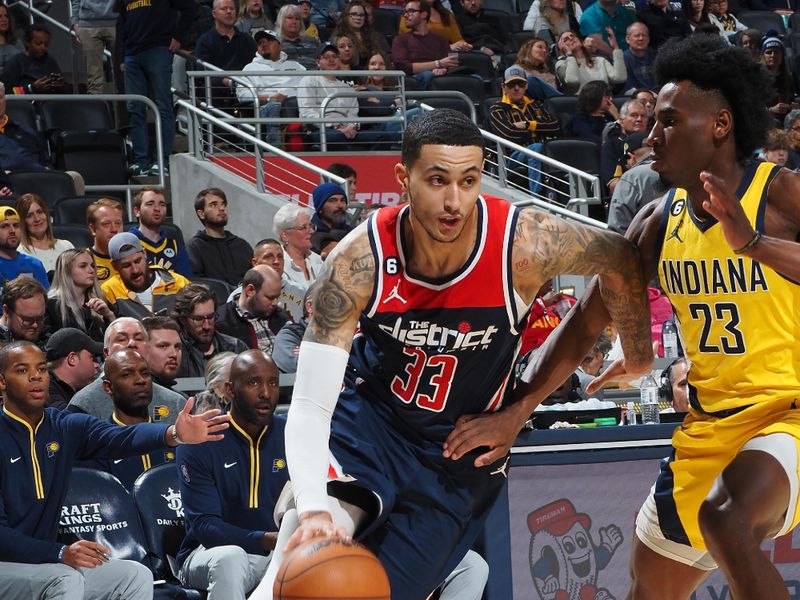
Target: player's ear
(723, 126)
(401, 175)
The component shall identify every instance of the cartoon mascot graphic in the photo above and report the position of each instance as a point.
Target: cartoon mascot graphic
(564, 560)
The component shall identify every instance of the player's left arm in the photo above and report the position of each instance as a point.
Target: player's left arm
(546, 246)
(778, 246)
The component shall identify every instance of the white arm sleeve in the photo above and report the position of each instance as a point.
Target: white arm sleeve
(320, 370)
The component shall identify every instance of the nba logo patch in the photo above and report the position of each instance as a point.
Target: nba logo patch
(52, 448)
(278, 464)
(160, 412)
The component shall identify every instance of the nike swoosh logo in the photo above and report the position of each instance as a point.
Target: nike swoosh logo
(228, 466)
(116, 462)
(13, 460)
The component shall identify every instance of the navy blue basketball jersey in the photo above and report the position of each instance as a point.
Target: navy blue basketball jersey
(429, 351)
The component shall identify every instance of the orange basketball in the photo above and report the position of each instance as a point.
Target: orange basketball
(331, 570)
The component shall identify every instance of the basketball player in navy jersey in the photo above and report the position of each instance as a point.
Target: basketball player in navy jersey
(419, 313)
(733, 477)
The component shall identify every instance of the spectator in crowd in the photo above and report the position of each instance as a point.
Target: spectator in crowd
(218, 371)
(21, 149)
(347, 172)
(33, 563)
(382, 106)
(776, 148)
(523, 121)
(792, 126)
(35, 71)
(595, 111)
(230, 528)
(326, 13)
(9, 44)
(532, 56)
(724, 21)
(164, 247)
(591, 366)
(72, 359)
(104, 219)
(75, 300)
(554, 17)
(348, 56)
(330, 208)
(36, 231)
(23, 311)
(675, 378)
(127, 379)
(696, 12)
(636, 187)
(443, 22)
(13, 262)
(225, 47)
(149, 32)
(252, 17)
(577, 65)
(254, 316)
(484, 31)
(663, 22)
(639, 58)
(271, 90)
(347, 133)
(306, 24)
(95, 27)
(602, 19)
(297, 45)
(421, 53)
(751, 40)
(214, 251)
(195, 311)
(773, 57)
(138, 290)
(618, 142)
(293, 227)
(648, 98)
(354, 24)
(164, 349)
(124, 333)
(287, 342)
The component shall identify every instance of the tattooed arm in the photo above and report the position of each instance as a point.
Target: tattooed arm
(546, 246)
(342, 291)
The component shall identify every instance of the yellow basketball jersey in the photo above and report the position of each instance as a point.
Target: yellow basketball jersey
(739, 320)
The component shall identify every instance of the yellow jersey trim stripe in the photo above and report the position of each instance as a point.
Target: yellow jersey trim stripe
(37, 471)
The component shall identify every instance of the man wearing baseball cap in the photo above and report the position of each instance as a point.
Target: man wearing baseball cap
(13, 263)
(271, 90)
(523, 121)
(72, 359)
(138, 290)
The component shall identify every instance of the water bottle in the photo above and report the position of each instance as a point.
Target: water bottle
(669, 337)
(630, 414)
(648, 394)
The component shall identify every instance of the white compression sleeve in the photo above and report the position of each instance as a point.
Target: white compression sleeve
(320, 370)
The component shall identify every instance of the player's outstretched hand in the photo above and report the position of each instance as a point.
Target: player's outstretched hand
(725, 208)
(616, 373)
(205, 427)
(497, 431)
(315, 525)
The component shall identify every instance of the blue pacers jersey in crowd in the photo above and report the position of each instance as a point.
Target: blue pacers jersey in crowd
(429, 351)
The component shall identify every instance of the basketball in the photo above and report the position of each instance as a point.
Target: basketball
(332, 570)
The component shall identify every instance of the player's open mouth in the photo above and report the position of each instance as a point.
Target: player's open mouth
(448, 222)
(37, 393)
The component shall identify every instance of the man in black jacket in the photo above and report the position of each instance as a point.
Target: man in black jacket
(254, 316)
(195, 312)
(214, 251)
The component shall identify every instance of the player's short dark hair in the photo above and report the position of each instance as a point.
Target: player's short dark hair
(443, 126)
(8, 349)
(711, 65)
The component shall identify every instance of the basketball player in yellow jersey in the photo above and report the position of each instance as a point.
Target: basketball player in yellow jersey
(725, 247)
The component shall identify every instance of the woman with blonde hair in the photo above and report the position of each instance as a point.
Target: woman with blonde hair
(532, 56)
(74, 299)
(36, 231)
(555, 16)
(252, 17)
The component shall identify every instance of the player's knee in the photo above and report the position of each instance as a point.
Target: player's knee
(718, 522)
(229, 559)
(135, 577)
(67, 578)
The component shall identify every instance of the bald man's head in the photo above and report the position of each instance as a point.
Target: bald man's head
(254, 387)
(128, 381)
(261, 289)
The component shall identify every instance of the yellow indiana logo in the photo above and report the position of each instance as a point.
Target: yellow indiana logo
(168, 456)
(160, 412)
(278, 464)
(52, 448)
(103, 273)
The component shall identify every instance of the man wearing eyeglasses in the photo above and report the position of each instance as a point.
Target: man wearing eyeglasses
(13, 263)
(195, 311)
(523, 121)
(23, 310)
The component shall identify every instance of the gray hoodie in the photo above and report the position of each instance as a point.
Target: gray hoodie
(93, 13)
